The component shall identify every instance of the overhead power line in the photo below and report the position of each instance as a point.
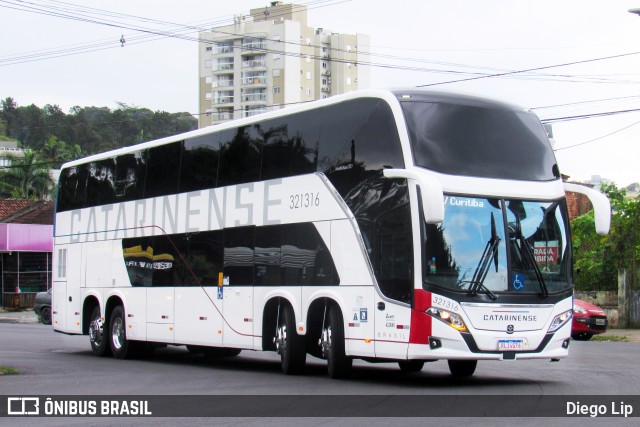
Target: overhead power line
(527, 70)
(588, 116)
(88, 14)
(585, 102)
(598, 138)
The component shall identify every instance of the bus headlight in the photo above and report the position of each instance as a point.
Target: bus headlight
(560, 320)
(452, 319)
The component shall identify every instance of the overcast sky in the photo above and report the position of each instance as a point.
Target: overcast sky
(426, 42)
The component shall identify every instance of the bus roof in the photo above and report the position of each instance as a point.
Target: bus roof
(391, 96)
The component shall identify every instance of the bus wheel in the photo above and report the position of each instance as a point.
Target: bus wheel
(121, 347)
(411, 365)
(462, 368)
(214, 352)
(289, 344)
(233, 352)
(332, 342)
(97, 336)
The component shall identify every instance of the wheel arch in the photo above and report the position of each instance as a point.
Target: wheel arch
(270, 318)
(112, 302)
(91, 301)
(316, 315)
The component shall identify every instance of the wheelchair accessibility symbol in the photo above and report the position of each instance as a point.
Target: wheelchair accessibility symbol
(518, 281)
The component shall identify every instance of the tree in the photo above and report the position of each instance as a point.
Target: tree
(8, 116)
(598, 258)
(55, 152)
(92, 129)
(26, 177)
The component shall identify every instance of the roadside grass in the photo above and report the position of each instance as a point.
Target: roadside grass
(616, 338)
(8, 370)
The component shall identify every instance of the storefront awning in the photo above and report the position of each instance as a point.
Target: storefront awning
(26, 237)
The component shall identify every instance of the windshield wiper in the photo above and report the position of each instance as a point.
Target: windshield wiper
(524, 248)
(477, 286)
(490, 252)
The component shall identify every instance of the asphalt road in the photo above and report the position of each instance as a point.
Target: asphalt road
(55, 364)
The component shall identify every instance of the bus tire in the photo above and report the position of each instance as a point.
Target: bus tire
(98, 335)
(233, 352)
(411, 365)
(121, 347)
(289, 344)
(338, 364)
(462, 368)
(215, 352)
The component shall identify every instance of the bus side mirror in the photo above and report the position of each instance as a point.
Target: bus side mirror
(430, 189)
(601, 206)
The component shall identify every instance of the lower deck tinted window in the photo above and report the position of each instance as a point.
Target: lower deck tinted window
(306, 259)
(204, 257)
(238, 256)
(268, 256)
(277, 255)
(156, 260)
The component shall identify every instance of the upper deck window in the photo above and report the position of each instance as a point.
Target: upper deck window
(479, 141)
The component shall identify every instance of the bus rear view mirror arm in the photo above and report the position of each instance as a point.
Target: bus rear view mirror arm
(430, 189)
(601, 206)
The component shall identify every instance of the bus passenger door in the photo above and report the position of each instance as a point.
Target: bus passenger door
(59, 292)
(67, 302)
(393, 265)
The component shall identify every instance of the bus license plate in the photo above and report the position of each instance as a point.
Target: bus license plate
(510, 345)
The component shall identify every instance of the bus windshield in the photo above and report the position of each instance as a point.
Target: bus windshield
(498, 246)
(479, 141)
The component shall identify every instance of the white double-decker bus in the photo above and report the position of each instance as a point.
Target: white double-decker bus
(398, 226)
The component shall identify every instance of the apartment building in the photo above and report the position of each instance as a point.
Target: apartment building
(271, 58)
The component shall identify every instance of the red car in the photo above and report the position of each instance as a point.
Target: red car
(588, 319)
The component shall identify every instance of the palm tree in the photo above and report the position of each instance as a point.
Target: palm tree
(55, 151)
(26, 177)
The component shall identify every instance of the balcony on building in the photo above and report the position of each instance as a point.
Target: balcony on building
(223, 97)
(224, 48)
(254, 97)
(254, 78)
(222, 114)
(254, 61)
(223, 81)
(223, 66)
(252, 45)
(253, 111)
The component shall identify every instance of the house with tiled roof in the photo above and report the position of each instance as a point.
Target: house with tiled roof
(26, 244)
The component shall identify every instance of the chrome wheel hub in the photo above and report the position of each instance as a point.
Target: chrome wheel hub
(117, 335)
